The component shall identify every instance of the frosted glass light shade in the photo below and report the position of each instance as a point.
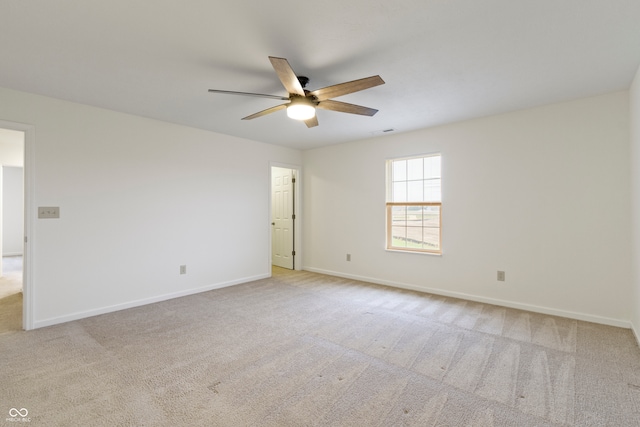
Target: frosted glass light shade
(300, 111)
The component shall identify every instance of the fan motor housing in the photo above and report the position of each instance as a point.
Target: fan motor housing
(303, 81)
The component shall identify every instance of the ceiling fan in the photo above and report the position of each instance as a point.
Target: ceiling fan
(303, 103)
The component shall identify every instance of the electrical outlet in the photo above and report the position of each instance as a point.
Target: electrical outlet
(348, 257)
(183, 269)
(500, 276)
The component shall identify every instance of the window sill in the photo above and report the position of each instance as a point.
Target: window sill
(413, 252)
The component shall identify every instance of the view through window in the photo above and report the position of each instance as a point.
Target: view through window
(414, 204)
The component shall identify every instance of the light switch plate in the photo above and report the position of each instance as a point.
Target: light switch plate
(48, 212)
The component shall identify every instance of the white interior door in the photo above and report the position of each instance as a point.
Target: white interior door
(282, 217)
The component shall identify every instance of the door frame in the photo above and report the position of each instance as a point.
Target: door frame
(28, 230)
(297, 240)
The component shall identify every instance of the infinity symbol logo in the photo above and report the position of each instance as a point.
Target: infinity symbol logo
(13, 412)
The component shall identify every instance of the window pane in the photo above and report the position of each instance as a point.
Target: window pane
(414, 169)
(431, 239)
(398, 216)
(414, 216)
(399, 192)
(431, 216)
(415, 191)
(414, 237)
(432, 167)
(399, 170)
(399, 237)
(415, 228)
(432, 190)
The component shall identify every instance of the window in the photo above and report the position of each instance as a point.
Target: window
(414, 204)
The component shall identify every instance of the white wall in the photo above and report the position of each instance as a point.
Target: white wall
(12, 210)
(138, 198)
(542, 194)
(634, 105)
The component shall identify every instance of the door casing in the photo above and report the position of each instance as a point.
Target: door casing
(297, 228)
(29, 209)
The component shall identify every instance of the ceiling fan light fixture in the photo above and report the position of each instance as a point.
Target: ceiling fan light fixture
(301, 109)
(302, 103)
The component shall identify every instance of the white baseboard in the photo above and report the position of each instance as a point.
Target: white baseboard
(503, 303)
(131, 304)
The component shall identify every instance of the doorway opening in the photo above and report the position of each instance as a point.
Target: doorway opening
(12, 230)
(284, 182)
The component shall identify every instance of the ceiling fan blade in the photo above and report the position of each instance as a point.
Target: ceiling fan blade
(343, 107)
(261, 95)
(312, 122)
(265, 112)
(348, 87)
(286, 75)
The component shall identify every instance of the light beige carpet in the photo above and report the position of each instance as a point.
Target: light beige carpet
(11, 295)
(303, 349)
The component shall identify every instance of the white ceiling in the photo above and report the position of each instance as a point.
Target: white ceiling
(442, 60)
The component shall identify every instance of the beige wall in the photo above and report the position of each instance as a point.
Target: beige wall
(542, 194)
(138, 198)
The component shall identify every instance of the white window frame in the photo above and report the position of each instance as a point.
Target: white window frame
(425, 202)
